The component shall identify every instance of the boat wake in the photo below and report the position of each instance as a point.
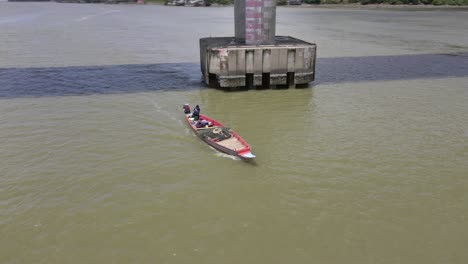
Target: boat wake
(162, 110)
(224, 155)
(83, 18)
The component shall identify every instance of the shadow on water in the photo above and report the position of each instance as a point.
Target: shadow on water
(388, 68)
(114, 79)
(109, 79)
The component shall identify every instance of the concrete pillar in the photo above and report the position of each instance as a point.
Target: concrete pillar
(255, 21)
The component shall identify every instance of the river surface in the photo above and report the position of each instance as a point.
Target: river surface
(367, 165)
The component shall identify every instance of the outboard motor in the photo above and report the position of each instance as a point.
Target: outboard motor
(186, 108)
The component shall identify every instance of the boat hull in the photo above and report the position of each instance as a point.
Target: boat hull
(221, 138)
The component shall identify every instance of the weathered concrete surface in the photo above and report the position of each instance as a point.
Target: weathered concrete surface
(255, 21)
(225, 63)
(255, 56)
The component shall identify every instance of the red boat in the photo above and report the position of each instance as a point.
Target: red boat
(220, 137)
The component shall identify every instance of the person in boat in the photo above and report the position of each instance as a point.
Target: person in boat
(196, 113)
(200, 124)
(187, 109)
(203, 123)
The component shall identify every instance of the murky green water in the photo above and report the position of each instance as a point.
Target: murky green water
(368, 165)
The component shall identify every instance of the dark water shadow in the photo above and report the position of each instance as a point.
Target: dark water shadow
(132, 78)
(109, 79)
(383, 68)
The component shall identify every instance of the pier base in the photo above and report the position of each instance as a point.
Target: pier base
(225, 63)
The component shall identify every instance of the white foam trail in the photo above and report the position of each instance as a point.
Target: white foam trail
(111, 12)
(83, 18)
(161, 110)
(224, 155)
(16, 19)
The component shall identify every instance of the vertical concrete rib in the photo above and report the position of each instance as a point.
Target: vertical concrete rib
(299, 60)
(291, 60)
(258, 61)
(274, 61)
(266, 61)
(232, 63)
(240, 62)
(249, 61)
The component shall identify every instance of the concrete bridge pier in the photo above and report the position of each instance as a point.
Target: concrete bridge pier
(255, 56)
